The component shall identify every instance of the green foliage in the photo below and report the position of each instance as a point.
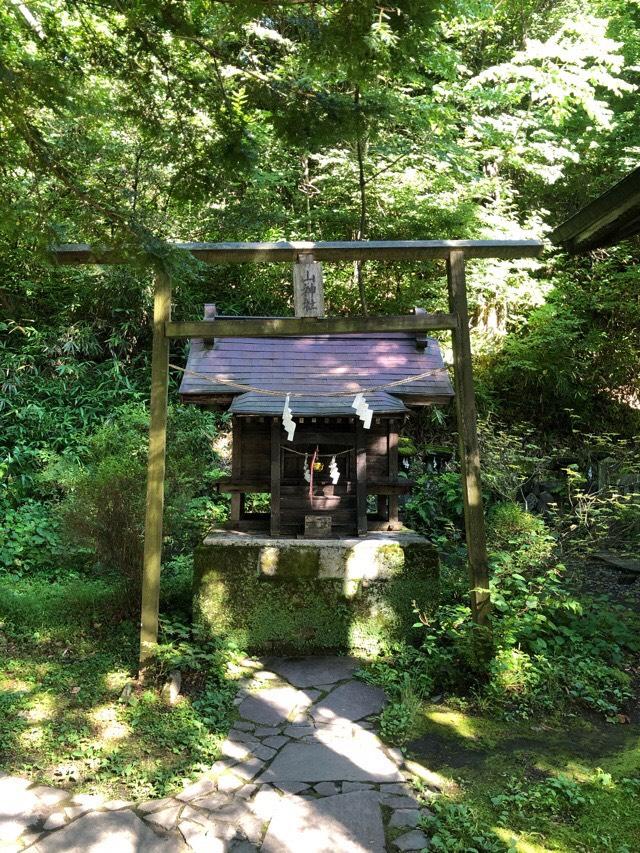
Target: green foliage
(559, 798)
(552, 651)
(456, 828)
(65, 657)
(398, 718)
(29, 537)
(105, 485)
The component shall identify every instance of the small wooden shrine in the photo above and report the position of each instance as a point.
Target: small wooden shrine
(323, 462)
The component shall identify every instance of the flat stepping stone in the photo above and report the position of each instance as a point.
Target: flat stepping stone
(311, 672)
(105, 832)
(349, 823)
(273, 705)
(415, 840)
(405, 817)
(327, 789)
(320, 762)
(276, 741)
(351, 701)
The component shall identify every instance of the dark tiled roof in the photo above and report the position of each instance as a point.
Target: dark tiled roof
(259, 404)
(317, 363)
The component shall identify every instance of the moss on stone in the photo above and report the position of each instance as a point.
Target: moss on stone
(242, 594)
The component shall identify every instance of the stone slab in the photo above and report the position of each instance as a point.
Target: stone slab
(320, 762)
(273, 705)
(405, 817)
(309, 672)
(349, 823)
(351, 701)
(106, 832)
(414, 840)
(275, 741)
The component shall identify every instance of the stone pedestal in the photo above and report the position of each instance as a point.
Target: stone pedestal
(302, 596)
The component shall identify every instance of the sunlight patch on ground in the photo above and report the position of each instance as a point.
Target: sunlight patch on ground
(116, 679)
(460, 724)
(109, 728)
(41, 708)
(15, 685)
(522, 846)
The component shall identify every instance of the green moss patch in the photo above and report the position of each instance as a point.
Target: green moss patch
(270, 598)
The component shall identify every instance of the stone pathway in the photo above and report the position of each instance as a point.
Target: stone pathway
(301, 769)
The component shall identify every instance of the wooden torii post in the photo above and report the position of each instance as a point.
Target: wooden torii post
(453, 252)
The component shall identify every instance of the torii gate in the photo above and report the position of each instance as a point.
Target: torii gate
(454, 252)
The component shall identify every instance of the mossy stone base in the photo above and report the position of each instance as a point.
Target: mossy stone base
(305, 596)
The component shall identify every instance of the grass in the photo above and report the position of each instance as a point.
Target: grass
(65, 656)
(530, 787)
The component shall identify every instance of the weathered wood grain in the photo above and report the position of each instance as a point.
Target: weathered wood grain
(156, 470)
(469, 449)
(249, 327)
(382, 250)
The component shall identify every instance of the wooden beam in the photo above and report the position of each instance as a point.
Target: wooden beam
(361, 479)
(382, 250)
(469, 449)
(156, 466)
(393, 469)
(237, 498)
(276, 428)
(225, 327)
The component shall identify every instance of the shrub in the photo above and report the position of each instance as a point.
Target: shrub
(29, 537)
(104, 488)
(552, 651)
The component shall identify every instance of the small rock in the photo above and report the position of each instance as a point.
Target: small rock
(55, 821)
(171, 690)
(405, 817)
(327, 789)
(125, 696)
(275, 741)
(414, 840)
(197, 789)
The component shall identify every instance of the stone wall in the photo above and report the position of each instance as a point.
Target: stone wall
(302, 596)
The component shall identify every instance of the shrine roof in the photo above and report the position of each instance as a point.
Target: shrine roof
(260, 404)
(318, 363)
